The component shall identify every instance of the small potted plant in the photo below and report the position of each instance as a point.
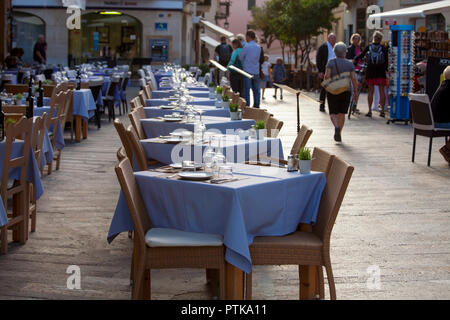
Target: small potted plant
(225, 101)
(18, 98)
(260, 129)
(305, 158)
(235, 113)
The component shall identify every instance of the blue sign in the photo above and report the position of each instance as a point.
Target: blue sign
(159, 50)
(161, 26)
(95, 44)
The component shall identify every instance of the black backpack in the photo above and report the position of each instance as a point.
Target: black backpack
(224, 53)
(375, 56)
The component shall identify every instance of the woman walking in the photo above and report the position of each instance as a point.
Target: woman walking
(377, 66)
(235, 77)
(338, 104)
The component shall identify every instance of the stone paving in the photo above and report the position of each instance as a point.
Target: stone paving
(394, 219)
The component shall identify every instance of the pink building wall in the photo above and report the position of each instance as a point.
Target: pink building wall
(240, 17)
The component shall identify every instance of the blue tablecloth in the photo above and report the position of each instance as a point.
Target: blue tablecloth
(59, 134)
(165, 102)
(161, 74)
(267, 201)
(155, 127)
(192, 88)
(234, 149)
(33, 173)
(83, 104)
(155, 112)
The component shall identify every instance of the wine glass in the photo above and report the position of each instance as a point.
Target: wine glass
(219, 158)
(208, 157)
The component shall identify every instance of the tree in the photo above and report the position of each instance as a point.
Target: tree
(295, 22)
(261, 21)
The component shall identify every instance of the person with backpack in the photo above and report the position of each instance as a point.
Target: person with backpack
(235, 77)
(376, 73)
(223, 53)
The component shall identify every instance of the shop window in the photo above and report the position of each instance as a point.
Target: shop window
(26, 29)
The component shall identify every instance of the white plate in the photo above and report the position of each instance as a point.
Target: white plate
(181, 134)
(174, 140)
(180, 166)
(195, 176)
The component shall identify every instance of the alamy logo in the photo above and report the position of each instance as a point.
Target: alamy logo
(74, 20)
(74, 280)
(373, 23)
(374, 280)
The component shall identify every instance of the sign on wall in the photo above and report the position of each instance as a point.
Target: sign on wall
(160, 26)
(159, 50)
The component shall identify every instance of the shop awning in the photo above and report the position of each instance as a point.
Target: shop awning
(210, 41)
(415, 12)
(215, 28)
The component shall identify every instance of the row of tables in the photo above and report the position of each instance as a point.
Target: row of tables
(262, 201)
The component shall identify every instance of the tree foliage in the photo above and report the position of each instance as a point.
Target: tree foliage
(295, 22)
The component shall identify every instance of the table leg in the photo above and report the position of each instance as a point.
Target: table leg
(85, 129)
(78, 123)
(212, 278)
(234, 283)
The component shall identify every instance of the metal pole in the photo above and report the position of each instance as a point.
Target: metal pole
(298, 112)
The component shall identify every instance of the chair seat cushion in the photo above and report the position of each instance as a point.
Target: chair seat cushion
(162, 237)
(300, 240)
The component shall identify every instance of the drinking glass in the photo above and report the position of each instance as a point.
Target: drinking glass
(226, 172)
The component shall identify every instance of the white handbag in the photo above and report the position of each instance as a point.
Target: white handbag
(339, 83)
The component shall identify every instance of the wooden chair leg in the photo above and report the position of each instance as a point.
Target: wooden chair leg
(414, 148)
(248, 286)
(138, 283)
(222, 283)
(321, 282)
(429, 151)
(58, 160)
(330, 281)
(33, 208)
(49, 170)
(3, 240)
(147, 285)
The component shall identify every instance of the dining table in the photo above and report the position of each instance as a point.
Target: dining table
(156, 127)
(161, 111)
(259, 201)
(235, 149)
(84, 107)
(161, 94)
(167, 101)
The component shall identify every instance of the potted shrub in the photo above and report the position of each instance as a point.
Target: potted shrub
(305, 158)
(235, 113)
(260, 129)
(225, 101)
(18, 98)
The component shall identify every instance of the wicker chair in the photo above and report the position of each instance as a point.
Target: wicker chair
(135, 118)
(423, 122)
(273, 127)
(301, 140)
(120, 128)
(192, 250)
(307, 248)
(142, 98)
(148, 91)
(18, 219)
(138, 151)
(256, 114)
(121, 154)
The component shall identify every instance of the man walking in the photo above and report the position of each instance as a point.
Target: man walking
(252, 58)
(223, 52)
(325, 54)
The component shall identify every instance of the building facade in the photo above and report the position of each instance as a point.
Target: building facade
(161, 30)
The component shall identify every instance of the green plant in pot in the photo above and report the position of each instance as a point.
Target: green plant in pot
(235, 113)
(260, 128)
(18, 98)
(219, 92)
(304, 160)
(225, 101)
